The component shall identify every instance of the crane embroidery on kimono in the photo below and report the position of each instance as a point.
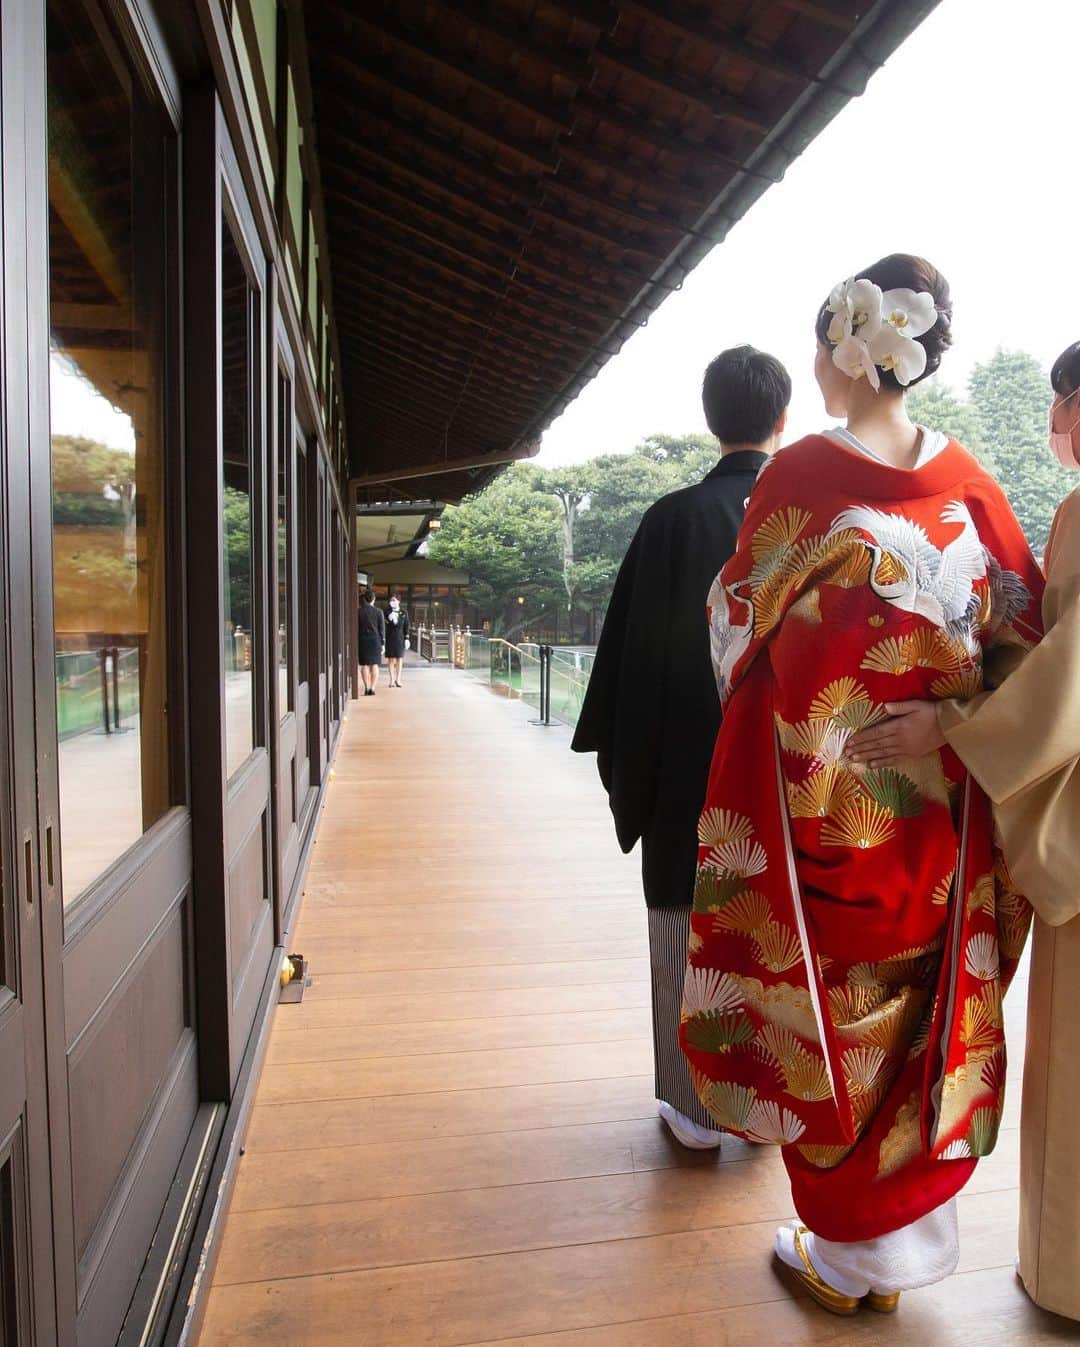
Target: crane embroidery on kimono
(729, 639)
(937, 584)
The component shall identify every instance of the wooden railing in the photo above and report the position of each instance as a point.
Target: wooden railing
(434, 644)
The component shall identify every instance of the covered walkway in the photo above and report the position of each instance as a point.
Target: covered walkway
(454, 1139)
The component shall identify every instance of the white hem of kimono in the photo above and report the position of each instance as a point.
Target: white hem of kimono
(919, 1254)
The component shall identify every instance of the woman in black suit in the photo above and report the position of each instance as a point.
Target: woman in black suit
(371, 634)
(397, 639)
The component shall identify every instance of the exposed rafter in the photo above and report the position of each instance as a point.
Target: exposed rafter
(573, 66)
(357, 66)
(426, 290)
(439, 226)
(399, 392)
(720, 106)
(512, 186)
(343, 149)
(602, 15)
(461, 65)
(429, 245)
(691, 25)
(506, 293)
(663, 183)
(836, 14)
(669, 140)
(413, 317)
(470, 384)
(455, 358)
(610, 204)
(434, 469)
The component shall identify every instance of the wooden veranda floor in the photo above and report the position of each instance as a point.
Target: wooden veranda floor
(454, 1139)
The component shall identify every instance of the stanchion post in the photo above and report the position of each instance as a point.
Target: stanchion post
(116, 685)
(103, 656)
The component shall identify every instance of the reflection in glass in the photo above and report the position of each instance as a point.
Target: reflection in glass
(303, 635)
(106, 281)
(285, 443)
(239, 328)
(337, 660)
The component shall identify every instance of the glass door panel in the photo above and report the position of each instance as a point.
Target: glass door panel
(239, 333)
(121, 1050)
(107, 304)
(303, 533)
(284, 546)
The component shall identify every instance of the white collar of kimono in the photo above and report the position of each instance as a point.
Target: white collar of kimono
(931, 443)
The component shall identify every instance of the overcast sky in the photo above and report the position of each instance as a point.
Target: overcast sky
(79, 409)
(963, 149)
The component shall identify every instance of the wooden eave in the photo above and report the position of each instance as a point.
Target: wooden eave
(512, 187)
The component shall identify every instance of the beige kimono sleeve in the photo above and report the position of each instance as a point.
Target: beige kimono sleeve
(1022, 742)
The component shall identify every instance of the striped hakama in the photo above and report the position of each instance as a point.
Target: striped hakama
(669, 931)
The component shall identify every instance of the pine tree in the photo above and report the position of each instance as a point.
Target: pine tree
(1011, 394)
(936, 406)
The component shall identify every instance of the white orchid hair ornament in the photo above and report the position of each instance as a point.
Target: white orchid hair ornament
(874, 329)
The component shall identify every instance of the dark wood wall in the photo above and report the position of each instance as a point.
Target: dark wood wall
(163, 269)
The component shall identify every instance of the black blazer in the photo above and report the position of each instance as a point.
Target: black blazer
(396, 633)
(651, 712)
(370, 623)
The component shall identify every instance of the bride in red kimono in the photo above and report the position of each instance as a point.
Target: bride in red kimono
(854, 930)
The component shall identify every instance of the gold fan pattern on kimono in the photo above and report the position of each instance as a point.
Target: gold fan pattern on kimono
(825, 1035)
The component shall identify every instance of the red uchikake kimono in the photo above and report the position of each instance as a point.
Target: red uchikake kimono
(853, 931)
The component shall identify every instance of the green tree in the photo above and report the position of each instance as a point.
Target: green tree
(82, 466)
(935, 405)
(1011, 394)
(570, 488)
(508, 540)
(685, 458)
(557, 536)
(91, 482)
(621, 488)
(236, 522)
(601, 503)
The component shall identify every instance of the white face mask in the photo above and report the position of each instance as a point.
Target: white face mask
(1066, 451)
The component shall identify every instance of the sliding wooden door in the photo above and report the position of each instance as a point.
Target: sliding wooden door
(307, 772)
(27, 1294)
(228, 547)
(320, 590)
(113, 837)
(337, 630)
(290, 740)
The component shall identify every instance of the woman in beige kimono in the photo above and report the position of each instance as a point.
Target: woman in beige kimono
(1022, 743)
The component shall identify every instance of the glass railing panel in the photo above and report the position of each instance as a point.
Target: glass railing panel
(97, 691)
(567, 692)
(530, 666)
(477, 655)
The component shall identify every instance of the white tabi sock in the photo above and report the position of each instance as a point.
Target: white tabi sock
(787, 1253)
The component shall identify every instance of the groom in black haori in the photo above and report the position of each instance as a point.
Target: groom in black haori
(652, 710)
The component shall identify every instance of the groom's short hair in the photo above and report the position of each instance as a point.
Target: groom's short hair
(744, 393)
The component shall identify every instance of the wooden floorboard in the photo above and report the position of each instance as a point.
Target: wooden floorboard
(454, 1139)
(329, 1042)
(436, 983)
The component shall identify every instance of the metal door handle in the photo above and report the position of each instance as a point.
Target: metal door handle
(28, 866)
(49, 867)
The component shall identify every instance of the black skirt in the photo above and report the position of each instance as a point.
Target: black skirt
(369, 650)
(395, 640)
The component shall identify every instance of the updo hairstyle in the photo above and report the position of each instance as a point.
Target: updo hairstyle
(901, 271)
